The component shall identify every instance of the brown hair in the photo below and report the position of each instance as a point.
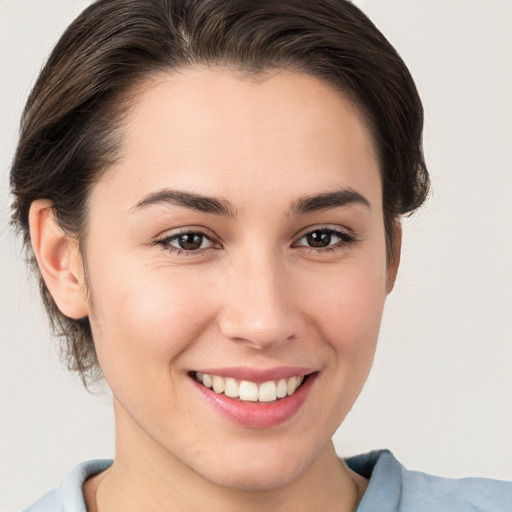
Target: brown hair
(70, 123)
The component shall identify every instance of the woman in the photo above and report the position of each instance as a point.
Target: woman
(215, 213)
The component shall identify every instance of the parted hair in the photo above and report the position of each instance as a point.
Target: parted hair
(71, 125)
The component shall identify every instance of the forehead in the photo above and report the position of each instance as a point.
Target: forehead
(211, 130)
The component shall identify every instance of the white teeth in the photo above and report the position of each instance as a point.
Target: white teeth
(232, 388)
(250, 391)
(207, 380)
(292, 385)
(282, 388)
(218, 384)
(267, 392)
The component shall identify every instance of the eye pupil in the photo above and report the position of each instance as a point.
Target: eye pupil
(190, 241)
(319, 238)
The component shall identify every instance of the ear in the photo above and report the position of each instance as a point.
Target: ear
(59, 260)
(394, 257)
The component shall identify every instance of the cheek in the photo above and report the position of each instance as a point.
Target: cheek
(348, 309)
(143, 321)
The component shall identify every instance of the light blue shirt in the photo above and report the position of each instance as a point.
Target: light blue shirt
(392, 488)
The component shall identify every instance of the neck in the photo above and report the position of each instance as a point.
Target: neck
(145, 477)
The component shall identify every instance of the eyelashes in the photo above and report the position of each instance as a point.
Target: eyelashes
(188, 242)
(325, 239)
(319, 240)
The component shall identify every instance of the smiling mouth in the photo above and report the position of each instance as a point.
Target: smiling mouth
(247, 391)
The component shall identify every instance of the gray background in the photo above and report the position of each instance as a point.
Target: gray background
(440, 394)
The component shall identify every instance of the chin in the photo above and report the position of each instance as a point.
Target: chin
(262, 471)
(261, 477)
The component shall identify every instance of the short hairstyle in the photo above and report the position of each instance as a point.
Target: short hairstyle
(70, 125)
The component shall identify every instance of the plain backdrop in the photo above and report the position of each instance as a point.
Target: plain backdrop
(440, 394)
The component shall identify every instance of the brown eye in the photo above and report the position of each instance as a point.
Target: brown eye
(190, 241)
(319, 238)
(325, 239)
(186, 242)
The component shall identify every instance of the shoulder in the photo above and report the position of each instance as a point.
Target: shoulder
(52, 501)
(401, 490)
(464, 494)
(68, 496)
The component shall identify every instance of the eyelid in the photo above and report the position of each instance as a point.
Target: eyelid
(347, 237)
(183, 230)
(335, 228)
(164, 240)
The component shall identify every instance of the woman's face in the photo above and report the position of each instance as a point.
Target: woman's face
(240, 235)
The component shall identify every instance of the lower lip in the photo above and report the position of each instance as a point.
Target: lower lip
(258, 414)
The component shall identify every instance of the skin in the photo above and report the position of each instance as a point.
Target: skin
(257, 296)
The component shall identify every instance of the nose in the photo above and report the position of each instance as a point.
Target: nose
(259, 305)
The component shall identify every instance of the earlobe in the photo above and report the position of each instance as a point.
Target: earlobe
(394, 257)
(58, 259)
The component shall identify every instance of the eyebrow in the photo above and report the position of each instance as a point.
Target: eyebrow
(306, 204)
(328, 200)
(197, 202)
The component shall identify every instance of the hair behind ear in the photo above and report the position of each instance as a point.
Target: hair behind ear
(394, 253)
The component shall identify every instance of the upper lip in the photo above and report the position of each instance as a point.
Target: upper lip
(258, 375)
